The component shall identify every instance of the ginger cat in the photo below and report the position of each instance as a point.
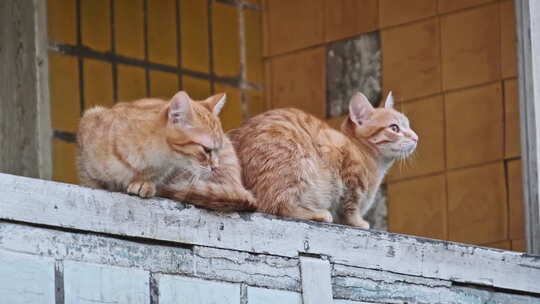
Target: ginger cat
(175, 148)
(298, 166)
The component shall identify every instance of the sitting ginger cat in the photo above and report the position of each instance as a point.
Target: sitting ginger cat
(175, 149)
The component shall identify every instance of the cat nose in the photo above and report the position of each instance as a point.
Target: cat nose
(414, 137)
(214, 161)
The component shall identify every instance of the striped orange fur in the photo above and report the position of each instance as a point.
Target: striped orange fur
(173, 148)
(298, 166)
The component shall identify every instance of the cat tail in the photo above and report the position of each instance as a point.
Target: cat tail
(218, 197)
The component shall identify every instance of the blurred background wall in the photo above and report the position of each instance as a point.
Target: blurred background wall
(450, 63)
(106, 51)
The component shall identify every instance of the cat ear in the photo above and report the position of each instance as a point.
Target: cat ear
(389, 102)
(215, 103)
(180, 111)
(360, 109)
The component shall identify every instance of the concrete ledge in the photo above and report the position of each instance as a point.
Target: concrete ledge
(69, 207)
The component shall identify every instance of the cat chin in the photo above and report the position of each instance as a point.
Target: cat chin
(399, 154)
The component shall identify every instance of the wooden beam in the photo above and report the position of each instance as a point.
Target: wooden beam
(25, 129)
(52, 204)
(316, 280)
(528, 33)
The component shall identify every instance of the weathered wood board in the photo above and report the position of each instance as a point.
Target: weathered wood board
(69, 206)
(173, 250)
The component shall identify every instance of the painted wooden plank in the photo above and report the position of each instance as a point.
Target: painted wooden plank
(183, 290)
(91, 283)
(316, 281)
(351, 302)
(356, 283)
(207, 263)
(69, 206)
(26, 279)
(270, 296)
(373, 286)
(528, 33)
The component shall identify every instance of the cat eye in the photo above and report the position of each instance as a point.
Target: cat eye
(394, 128)
(207, 150)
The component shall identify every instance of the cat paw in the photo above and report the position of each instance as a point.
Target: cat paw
(364, 225)
(323, 216)
(142, 189)
(360, 223)
(356, 220)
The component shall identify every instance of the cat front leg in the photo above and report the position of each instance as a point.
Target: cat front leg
(351, 214)
(317, 215)
(355, 219)
(144, 189)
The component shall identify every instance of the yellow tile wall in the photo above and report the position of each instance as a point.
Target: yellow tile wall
(129, 28)
(446, 6)
(131, 83)
(163, 84)
(61, 21)
(254, 46)
(413, 69)
(196, 87)
(508, 39)
(346, 18)
(194, 34)
(477, 204)
(427, 116)
(293, 25)
(474, 126)
(255, 101)
(512, 137)
(471, 47)
(64, 161)
(451, 64)
(461, 55)
(226, 52)
(130, 49)
(515, 200)
(64, 90)
(418, 207)
(299, 80)
(95, 24)
(162, 33)
(231, 114)
(396, 12)
(98, 86)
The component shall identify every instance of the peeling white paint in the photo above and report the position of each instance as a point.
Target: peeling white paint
(159, 237)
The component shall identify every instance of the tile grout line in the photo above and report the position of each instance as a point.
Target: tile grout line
(243, 59)
(211, 45)
(86, 52)
(146, 47)
(473, 166)
(451, 91)
(445, 131)
(506, 175)
(422, 19)
(79, 57)
(507, 205)
(179, 44)
(249, 6)
(113, 49)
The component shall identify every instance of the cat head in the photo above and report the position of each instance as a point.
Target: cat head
(384, 128)
(194, 130)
